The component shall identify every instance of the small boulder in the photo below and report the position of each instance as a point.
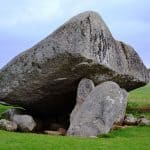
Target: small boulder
(25, 123)
(99, 111)
(8, 125)
(143, 121)
(130, 120)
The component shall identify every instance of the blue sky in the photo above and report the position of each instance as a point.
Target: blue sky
(23, 23)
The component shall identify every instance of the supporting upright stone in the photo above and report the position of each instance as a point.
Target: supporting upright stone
(99, 111)
(121, 115)
(84, 88)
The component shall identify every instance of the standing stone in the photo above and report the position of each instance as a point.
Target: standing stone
(121, 115)
(84, 88)
(99, 111)
(25, 122)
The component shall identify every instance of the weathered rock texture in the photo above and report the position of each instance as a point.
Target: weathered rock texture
(99, 111)
(122, 108)
(44, 79)
(84, 88)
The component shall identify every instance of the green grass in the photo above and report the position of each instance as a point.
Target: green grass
(4, 108)
(132, 138)
(135, 138)
(138, 100)
(140, 96)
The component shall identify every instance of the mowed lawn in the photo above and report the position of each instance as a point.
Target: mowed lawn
(135, 138)
(132, 138)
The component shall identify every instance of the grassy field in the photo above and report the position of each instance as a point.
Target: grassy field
(132, 138)
(141, 96)
(139, 101)
(135, 138)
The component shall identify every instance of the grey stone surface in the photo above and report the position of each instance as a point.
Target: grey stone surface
(99, 111)
(44, 78)
(84, 88)
(121, 116)
(25, 123)
(7, 125)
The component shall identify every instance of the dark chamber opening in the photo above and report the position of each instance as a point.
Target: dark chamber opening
(53, 112)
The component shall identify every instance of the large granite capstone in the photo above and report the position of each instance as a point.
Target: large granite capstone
(44, 78)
